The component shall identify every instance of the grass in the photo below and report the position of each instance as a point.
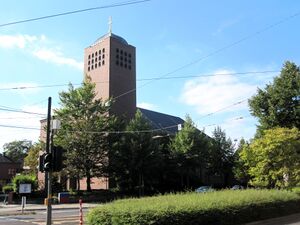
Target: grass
(221, 207)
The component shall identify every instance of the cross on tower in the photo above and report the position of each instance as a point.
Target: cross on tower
(110, 25)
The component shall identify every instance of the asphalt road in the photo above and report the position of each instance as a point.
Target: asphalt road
(59, 216)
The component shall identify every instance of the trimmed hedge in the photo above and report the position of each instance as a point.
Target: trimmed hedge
(218, 208)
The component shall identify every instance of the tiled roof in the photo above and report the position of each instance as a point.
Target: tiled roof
(162, 121)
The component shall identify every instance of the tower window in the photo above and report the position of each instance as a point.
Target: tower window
(129, 61)
(117, 62)
(103, 56)
(117, 56)
(93, 55)
(129, 55)
(121, 52)
(117, 50)
(125, 59)
(103, 50)
(92, 67)
(89, 68)
(99, 64)
(121, 64)
(92, 61)
(96, 59)
(89, 56)
(89, 62)
(121, 57)
(125, 53)
(103, 62)
(125, 65)
(95, 65)
(99, 52)
(96, 53)
(99, 57)
(129, 67)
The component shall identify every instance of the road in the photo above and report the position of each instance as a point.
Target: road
(59, 216)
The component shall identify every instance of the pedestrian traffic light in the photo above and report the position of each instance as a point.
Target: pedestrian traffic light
(57, 158)
(48, 162)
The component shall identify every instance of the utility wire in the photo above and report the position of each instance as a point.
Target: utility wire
(149, 79)
(21, 111)
(269, 27)
(74, 12)
(19, 127)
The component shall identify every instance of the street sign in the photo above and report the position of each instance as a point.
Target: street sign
(25, 188)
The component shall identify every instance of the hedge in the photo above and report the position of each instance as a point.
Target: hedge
(218, 208)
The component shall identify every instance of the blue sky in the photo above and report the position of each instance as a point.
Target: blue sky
(167, 35)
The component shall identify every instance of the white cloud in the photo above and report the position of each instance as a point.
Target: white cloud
(146, 105)
(210, 94)
(16, 41)
(39, 47)
(56, 57)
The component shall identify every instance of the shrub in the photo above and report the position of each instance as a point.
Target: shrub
(222, 208)
(7, 188)
(24, 179)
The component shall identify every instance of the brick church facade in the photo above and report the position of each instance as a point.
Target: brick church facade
(110, 62)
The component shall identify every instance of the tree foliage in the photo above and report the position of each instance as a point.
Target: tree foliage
(84, 123)
(278, 104)
(17, 150)
(273, 160)
(221, 156)
(190, 148)
(134, 156)
(32, 158)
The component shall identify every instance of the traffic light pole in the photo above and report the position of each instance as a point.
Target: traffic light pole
(49, 174)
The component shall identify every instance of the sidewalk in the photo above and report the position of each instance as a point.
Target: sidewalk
(16, 209)
(293, 219)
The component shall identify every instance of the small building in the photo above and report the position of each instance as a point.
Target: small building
(8, 169)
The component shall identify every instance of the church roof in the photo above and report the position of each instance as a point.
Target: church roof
(162, 121)
(120, 39)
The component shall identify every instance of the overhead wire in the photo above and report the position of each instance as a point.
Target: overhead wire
(149, 79)
(258, 32)
(74, 12)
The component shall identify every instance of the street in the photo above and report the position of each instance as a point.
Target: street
(59, 216)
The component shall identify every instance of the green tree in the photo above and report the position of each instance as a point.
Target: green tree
(85, 121)
(32, 158)
(278, 104)
(189, 148)
(273, 160)
(221, 157)
(240, 170)
(134, 156)
(17, 150)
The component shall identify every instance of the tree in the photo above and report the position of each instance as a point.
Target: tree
(274, 159)
(17, 150)
(278, 104)
(240, 169)
(32, 158)
(85, 121)
(189, 148)
(221, 156)
(134, 156)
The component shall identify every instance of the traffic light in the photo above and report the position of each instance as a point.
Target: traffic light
(41, 163)
(48, 162)
(57, 158)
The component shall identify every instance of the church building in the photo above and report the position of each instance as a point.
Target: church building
(110, 62)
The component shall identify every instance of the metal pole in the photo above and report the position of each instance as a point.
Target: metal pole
(48, 174)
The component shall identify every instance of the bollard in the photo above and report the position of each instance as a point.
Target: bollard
(80, 212)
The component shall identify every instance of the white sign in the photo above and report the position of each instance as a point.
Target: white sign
(25, 188)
